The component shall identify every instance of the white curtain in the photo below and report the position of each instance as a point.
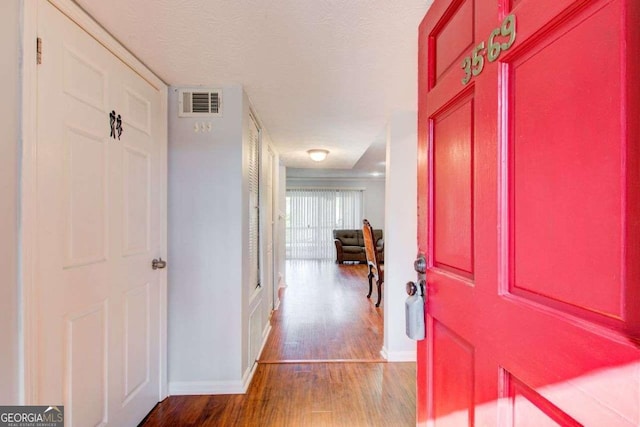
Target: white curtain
(312, 215)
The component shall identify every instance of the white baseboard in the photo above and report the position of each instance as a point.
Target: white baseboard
(398, 356)
(248, 376)
(265, 336)
(178, 388)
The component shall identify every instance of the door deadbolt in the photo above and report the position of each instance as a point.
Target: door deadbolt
(412, 289)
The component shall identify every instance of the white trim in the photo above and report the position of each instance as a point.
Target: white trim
(163, 366)
(27, 194)
(399, 356)
(328, 188)
(206, 387)
(265, 336)
(219, 387)
(384, 353)
(331, 178)
(248, 375)
(74, 12)
(29, 349)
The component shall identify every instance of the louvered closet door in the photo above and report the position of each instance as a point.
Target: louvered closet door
(254, 203)
(99, 225)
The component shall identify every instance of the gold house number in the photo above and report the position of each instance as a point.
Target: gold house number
(474, 64)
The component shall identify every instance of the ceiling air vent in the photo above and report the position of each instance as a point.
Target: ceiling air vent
(200, 102)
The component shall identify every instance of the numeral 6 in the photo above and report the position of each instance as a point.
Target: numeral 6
(493, 51)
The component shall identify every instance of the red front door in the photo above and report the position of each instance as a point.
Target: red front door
(529, 212)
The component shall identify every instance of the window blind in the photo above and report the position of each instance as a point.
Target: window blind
(312, 215)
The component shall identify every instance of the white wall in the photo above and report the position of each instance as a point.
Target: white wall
(374, 193)
(205, 217)
(400, 231)
(281, 221)
(216, 317)
(9, 158)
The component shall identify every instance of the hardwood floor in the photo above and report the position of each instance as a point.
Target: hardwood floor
(321, 365)
(325, 314)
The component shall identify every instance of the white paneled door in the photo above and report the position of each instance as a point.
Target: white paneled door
(100, 197)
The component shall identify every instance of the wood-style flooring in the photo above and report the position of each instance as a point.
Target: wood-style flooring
(321, 365)
(325, 314)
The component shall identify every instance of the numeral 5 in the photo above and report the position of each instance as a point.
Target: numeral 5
(478, 60)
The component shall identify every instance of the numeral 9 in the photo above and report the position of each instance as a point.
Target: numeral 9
(508, 29)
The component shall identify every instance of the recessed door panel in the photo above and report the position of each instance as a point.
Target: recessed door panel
(136, 337)
(137, 111)
(86, 366)
(453, 378)
(137, 188)
(453, 36)
(83, 79)
(566, 215)
(85, 197)
(453, 188)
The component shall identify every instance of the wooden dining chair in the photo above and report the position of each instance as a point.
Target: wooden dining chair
(375, 269)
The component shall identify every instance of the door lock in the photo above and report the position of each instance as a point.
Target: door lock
(158, 264)
(411, 288)
(414, 306)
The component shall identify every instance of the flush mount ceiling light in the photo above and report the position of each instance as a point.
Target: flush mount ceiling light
(318, 155)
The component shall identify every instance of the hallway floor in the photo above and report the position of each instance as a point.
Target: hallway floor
(321, 365)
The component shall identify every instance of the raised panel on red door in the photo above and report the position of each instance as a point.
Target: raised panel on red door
(529, 201)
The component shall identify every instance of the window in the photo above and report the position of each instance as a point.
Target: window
(312, 215)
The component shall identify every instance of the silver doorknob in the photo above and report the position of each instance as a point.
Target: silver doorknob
(158, 263)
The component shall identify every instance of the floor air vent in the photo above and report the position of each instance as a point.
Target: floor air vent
(200, 103)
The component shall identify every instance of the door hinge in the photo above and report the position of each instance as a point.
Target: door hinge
(39, 51)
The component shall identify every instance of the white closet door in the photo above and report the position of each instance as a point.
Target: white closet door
(99, 225)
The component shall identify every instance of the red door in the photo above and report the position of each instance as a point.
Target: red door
(529, 212)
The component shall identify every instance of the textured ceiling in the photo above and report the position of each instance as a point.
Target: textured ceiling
(319, 73)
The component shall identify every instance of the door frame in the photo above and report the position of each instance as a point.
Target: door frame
(268, 206)
(28, 345)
